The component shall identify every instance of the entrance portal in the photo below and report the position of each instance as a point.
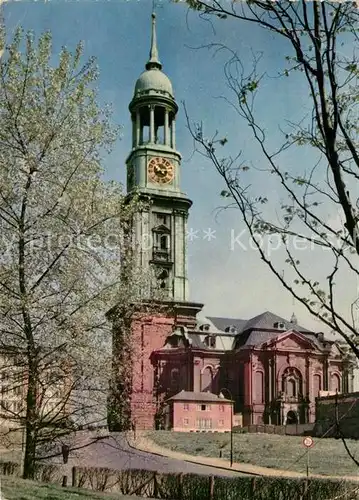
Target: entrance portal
(291, 417)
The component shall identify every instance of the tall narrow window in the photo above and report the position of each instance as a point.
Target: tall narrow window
(259, 387)
(207, 379)
(317, 385)
(291, 388)
(164, 242)
(335, 383)
(175, 379)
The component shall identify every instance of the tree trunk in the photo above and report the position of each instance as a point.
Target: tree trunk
(30, 452)
(31, 435)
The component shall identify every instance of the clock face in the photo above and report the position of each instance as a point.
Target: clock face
(160, 170)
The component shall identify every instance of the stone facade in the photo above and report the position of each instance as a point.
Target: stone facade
(153, 174)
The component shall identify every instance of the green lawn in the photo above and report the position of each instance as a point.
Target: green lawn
(328, 456)
(13, 488)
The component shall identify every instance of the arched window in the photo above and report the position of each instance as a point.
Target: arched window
(175, 379)
(258, 388)
(335, 383)
(317, 385)
(292, 382)
(207, 379)
(161, 238)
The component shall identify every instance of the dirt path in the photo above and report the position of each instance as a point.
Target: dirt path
(144, 443)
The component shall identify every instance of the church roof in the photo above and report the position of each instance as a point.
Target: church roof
(223, 323)
(264, 320)
(224, 341)
(253, 332)
(153, 79)
(198, 396)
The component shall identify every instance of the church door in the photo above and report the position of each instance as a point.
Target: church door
(291, 418)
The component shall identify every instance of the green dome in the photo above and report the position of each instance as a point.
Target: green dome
(153, 79)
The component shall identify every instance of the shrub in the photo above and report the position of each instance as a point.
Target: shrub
(48, 473)
(9, 468)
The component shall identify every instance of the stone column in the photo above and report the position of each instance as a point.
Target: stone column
(173, 132)
(152, 124)
(138, 129)
(165, 135)
(351, 387)
(325, 375)
(270, 393)
(308, 378)
(250, 380)
(134, 135)
(274, 377)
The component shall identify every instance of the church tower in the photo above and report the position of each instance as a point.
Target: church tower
(153, 171)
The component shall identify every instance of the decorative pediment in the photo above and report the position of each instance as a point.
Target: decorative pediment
(335, 350)
(178, 337)
(290, 340)
(161, 229)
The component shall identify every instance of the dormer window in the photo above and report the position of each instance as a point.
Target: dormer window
(279, 325)
(231, 329)
(205, 328)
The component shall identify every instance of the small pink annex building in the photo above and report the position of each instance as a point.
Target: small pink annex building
(190, 411)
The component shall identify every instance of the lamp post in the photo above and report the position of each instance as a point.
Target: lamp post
(231, 398)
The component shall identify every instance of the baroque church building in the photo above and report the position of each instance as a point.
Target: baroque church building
(272, 368)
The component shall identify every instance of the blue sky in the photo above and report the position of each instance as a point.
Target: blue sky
(230, 282)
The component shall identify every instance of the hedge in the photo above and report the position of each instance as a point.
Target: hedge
(194, 486)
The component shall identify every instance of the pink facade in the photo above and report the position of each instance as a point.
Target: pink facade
(199, 412)
(272, 373)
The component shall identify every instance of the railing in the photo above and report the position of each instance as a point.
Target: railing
(289, 430)
(161, 254)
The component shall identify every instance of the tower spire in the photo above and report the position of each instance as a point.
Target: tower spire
(153, 61)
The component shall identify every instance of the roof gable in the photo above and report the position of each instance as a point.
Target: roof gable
(198, 396)
(263, 321)
(267, 320)
(289, 340)
(223, 323)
